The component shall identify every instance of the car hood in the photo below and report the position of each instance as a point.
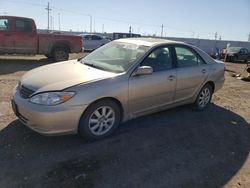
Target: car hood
(59, 76)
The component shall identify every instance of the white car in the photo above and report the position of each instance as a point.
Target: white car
(92, 42)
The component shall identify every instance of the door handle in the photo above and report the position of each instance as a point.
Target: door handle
(171, 77)
(203, 71)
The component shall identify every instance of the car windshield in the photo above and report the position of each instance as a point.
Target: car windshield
(233, 49)
(115, 56)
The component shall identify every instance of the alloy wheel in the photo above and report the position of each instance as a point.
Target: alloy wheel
(204, 97)
(101, 120)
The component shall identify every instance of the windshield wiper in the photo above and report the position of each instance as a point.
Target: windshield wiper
(94, 66)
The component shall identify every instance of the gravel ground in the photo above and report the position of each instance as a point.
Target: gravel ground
(173, 148)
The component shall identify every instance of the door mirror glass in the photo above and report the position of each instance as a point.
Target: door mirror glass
(143, 70)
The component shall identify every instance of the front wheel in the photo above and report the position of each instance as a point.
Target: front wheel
(100, 120)
(203, 98)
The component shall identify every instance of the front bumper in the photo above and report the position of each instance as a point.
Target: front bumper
(48, 120)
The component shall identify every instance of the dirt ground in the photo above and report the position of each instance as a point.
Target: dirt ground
(173, 148)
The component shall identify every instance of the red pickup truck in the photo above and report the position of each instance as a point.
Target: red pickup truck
(19, 35)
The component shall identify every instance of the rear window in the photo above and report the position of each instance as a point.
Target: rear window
(4, 24)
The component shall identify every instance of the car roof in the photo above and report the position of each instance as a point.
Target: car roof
(5, 16)
(148, 41)
(92, 35)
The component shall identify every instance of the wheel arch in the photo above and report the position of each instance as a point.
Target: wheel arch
(58, 44)
(119, 104)
(211, 83)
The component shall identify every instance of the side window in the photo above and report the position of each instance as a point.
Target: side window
(88, 37)
(187, 58)
(23, 25)
(94, 37)
(4, 24)
(160, 59)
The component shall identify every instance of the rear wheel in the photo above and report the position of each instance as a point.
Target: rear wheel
(48, 56)
(203, 98)
(60, 53)
(100, 120)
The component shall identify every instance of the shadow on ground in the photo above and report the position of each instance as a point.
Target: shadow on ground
(9, 66)
(173, 148)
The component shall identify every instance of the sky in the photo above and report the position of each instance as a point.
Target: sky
(230, 19)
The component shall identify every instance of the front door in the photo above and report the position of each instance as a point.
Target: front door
(150, 92)
(6, 38)
(25, 37)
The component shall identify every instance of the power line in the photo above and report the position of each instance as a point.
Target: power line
(144, 24)
(25, 2)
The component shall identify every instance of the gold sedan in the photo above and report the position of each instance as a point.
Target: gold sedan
(121, 80)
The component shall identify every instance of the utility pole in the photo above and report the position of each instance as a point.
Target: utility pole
(90, 23)
(220, 37)
(48, 9)
(215, 35)
(162, 30)
(130, 31)
(59, 22)
(102, 28)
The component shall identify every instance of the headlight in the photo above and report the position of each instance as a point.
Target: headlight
(51, 98)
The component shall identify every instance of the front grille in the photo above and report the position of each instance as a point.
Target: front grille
(25, 92)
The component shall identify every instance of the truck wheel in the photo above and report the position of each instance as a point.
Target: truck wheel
(48, 56)
(60, 54)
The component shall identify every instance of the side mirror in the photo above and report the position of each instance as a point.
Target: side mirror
(143, 70)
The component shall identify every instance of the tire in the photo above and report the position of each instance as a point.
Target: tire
(48, 56)
(100, 120)
(60, 53)
(203, 98)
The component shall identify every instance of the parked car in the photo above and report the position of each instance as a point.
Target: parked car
(235, 54)
(92, 42)
(18, 35)
(121, 80)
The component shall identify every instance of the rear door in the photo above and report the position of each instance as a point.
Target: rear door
(25, 36)
(150, 92)
(6, 38)
(192, 71)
